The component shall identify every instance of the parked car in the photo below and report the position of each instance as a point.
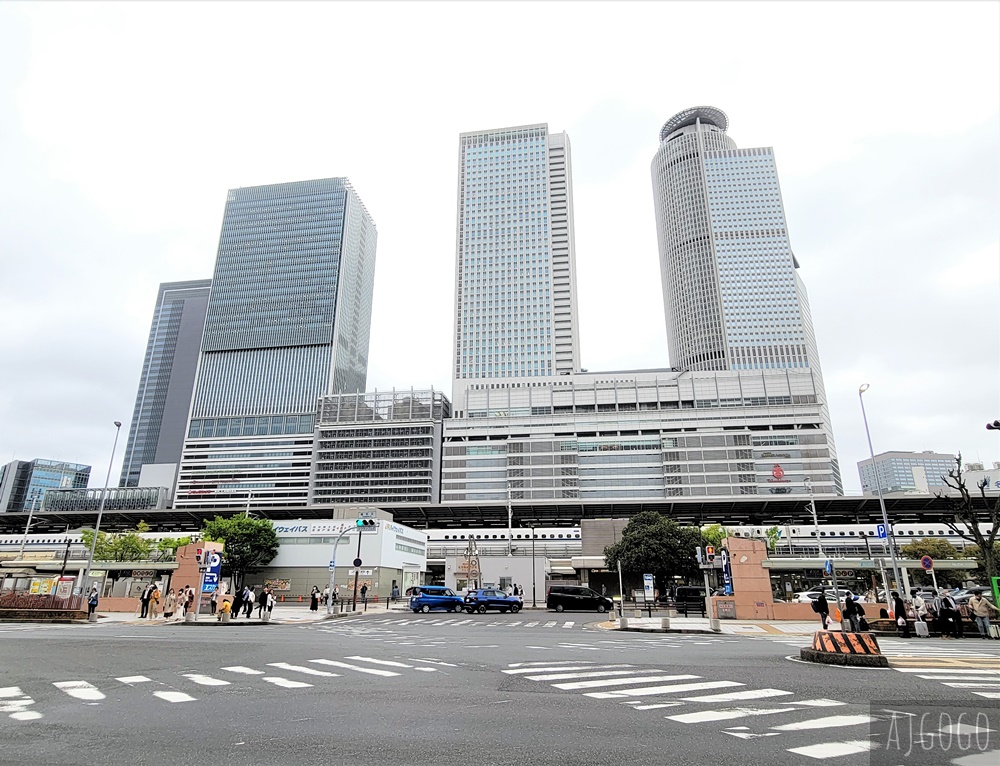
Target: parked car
(427, 597)
(576, 597)
(487, 598)
(689, 598)
(808, 596)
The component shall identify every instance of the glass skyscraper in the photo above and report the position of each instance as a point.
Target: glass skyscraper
(167, 381)
(23, 483)
(288, 321)
(515, 291)
(731, 290)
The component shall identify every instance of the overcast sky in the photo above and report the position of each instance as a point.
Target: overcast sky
(122, 126)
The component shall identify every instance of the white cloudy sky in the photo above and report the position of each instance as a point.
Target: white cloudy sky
(122, 126)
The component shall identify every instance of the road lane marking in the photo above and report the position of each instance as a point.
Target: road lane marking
(11, 691)
(960, 678)
(828, 722)
(816, 703)
(950, 671)
(244, 670)
(390, 663)
(531, 624)
(555, 668)
(833, 749)
(80, 689)
(973, 686)
(659, 705)
(706, 716)
(26, 715)
(988, 695)
(174, 697)
(133, 679)
(589, 674)
(358, 668)
(737, 696)
(568, 624)
(201, 680)
(549, 624)
(303, 669)
(674, 689)
(434, 662)
(545, 662)
(286, 683)
(622, 681)
(514, 624)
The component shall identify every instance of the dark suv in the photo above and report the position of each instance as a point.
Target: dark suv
(488, 598)
(576, 597)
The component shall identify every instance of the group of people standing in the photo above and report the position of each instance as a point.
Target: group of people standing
(942, 613)
(179, 603)
(245, 600)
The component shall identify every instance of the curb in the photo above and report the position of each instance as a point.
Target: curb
(614, 626)
(854, 660)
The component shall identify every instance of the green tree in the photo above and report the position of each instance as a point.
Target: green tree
(976, 518)
(249, 544)
(975, 552)
(714, 534)
(939, 550)
(652, 543)
(773, 534)
(121, 546)
(168, 545)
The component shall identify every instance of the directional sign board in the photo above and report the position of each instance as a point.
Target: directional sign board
(212, 570)
(333, 566)
(927, 563)
(647, 587)
(880, 529)
(828, 566)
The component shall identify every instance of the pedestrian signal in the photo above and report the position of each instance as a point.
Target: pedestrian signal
(710, 553)
(198, 555)
(365, 522)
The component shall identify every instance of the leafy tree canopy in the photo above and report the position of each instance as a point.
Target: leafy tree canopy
(169, 545)
(652, 543)
(975, 552)
(249, 543)
(120, 546)
(939, 550)
(714, 534)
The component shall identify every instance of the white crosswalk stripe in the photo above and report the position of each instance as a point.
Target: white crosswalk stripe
(303, 669)
(286, 683)
(205, 680)
(80, 690)
(587, 674)
(15, 703)
(557, 668)
(646, 691)
(244, 670)
(170, 696)
(833, 749)
(358, 668)
(622, 681)
(983, 682)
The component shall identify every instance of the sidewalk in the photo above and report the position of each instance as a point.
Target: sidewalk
(726, 627)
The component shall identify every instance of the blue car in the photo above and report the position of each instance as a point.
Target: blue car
(487, 598)
(427, 597)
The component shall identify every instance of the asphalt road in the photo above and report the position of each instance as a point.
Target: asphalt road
(532, 688)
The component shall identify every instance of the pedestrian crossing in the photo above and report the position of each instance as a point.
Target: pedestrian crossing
(980, 682)
(816, 728)
(914, 647)
(473, 622)
(22, 704)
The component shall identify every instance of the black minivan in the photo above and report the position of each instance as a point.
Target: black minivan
(576, 598)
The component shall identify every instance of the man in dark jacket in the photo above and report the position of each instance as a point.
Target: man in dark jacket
(851, 613)
(822, 608)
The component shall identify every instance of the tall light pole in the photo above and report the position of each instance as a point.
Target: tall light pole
(812, 505)
(878, 489)
(24, 539)
(100, 511)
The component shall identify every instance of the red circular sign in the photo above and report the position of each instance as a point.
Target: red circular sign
(927, 562)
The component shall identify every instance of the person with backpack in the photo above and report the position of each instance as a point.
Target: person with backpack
(851, 613)
(822, 608)
(92, 600)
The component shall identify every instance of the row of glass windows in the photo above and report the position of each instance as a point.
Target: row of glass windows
(263, 425)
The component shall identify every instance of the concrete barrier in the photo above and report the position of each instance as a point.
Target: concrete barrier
(833, 647)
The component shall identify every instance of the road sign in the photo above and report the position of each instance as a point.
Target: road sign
(333, 566)
(357, 562)
(927, 563)
(213, 571)
(828, 566)
(647, 587)
(366, 514)
(880, 530)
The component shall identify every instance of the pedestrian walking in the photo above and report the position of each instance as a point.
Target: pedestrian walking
(822, 608)
(92, 600)
(238, 602)
(919, 605)
(326, 595)
(262, 603)
(154, 602)
(168, 604)
(248, 600)
(144, 602)
(270, 602)
(944, 606)
(899, 613)
(336, 593)
(980, 609)
(851, 613)
(364, 593)
(213, 600)
(395, 593)
(314, 599)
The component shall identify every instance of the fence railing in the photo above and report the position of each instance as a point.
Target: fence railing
(22, 600)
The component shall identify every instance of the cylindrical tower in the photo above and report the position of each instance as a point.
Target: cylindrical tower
(691, 292)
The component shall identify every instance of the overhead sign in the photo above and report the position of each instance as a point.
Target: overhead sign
(880, 530)
(647, 587)
(927, 563)
(213, 572)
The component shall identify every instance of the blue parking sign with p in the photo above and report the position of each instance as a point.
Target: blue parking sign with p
(214, 572)
(880, 528)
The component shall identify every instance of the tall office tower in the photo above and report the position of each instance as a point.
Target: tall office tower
(288, 321)
(733, 297)
(23, 483)
(515, 287)
(167, 380)
(919, 472)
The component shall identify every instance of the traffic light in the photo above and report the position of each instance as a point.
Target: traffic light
(198, 554)
(710, 553)
(365, 522)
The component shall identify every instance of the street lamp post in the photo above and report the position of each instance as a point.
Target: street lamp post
(100, 510)
(878, 488)
(24, 538)
(812, 506)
